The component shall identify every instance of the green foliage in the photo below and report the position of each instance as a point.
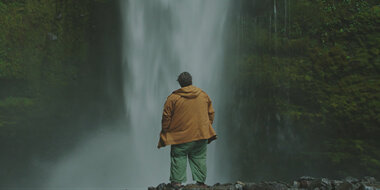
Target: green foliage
(13, 109)
(16, 103)
(320, 71)
(43, 46)
(44, 72)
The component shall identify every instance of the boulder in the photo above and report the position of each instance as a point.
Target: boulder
(320, 184)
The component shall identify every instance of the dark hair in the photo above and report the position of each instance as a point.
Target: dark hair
(185, 79)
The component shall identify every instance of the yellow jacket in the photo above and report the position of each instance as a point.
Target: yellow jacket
(188, 115)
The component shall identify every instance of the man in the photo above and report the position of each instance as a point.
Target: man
(186, 126)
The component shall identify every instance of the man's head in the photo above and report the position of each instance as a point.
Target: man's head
(185, 79)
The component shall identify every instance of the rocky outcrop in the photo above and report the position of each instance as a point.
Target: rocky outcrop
(303, 183)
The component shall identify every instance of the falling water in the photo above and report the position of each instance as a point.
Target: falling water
(161, 39)
(275, 15)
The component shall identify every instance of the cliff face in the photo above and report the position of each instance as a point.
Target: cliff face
(349, 183)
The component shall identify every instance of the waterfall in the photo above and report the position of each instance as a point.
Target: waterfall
(275, 15)
(163, 38)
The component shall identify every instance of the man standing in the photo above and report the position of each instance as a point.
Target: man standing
(186, 126)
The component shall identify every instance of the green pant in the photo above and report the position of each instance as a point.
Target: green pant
(196, 151)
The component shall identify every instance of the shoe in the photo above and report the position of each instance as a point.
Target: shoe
(175, 185)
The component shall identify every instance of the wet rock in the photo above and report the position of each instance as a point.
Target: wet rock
(162, 186)
(239, 185)
(321, 184)
(350, 186)
(336, 183)
(296, 184)
(352, 180)
(307, 178)
(249, 186)
(266, 186)
(304, 182)
(369, 180)
(345, 186)
(227, 186)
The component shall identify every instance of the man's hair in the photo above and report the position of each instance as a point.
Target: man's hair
(185, 79)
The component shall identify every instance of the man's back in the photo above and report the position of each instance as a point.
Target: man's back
(187, 116)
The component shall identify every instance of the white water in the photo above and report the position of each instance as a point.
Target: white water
(161, 38)
(164, 38)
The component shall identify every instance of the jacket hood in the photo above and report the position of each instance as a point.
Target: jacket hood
(188, 91)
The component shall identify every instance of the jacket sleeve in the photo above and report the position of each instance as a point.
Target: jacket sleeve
(211, 112)
(167, 114)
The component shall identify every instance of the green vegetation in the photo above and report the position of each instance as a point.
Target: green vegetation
(46, 70)
(315, 71)
(42, 45)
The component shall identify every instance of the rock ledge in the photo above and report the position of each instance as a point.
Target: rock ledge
(303, 183)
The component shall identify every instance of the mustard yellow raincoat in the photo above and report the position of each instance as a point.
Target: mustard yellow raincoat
(188, 116)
